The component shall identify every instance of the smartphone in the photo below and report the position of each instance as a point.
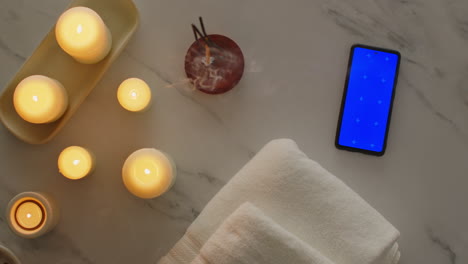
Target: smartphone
(366, 107)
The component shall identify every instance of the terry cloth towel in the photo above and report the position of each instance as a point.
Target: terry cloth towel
(249, 236)
(304, 199)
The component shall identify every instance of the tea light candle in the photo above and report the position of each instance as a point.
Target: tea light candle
(148, 173)
(39, 99)
(32, 214)
(29, 215)
(75, 162)
(134, 95)
(82, 34)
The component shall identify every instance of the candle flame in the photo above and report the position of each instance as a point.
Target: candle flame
(35, 98)
(133, 94)
(76, 162)
(147, 171)
(28, 215)
(79, 29)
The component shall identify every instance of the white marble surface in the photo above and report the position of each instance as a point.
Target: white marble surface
(296, 56)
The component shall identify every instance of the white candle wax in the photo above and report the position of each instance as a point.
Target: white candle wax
(148, 173)
(82, 34)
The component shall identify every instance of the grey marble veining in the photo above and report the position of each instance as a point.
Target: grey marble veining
(296, 55)
(444, 246)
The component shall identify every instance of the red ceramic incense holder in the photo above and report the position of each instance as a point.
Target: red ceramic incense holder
(214, 64)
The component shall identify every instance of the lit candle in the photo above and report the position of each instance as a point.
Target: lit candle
(82, 34)
(39, 99)
(31, 214)
(134, 95)
(75, 162)
(148, 173)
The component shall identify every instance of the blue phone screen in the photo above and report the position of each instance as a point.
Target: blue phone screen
(366, 110)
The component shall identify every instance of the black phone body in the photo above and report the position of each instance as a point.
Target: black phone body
(367, 102)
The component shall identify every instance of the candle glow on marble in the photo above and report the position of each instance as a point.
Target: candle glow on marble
(148, 173)
(134, 95)
(75, 162)
(32, 214)
(82, 33)
(39, 99)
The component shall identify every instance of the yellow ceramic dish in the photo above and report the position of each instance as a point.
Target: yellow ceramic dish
(121, 17)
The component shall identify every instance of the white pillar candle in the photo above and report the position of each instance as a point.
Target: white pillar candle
(148, 173)
(39, 99)
(134, 95)
(82, 33)
(76, 162)
(32, 214)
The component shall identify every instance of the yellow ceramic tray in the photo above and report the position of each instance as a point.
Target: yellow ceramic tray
(121, 17)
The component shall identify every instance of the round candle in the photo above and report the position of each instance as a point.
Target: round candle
(29, 215)
(148, 173)
(32, 214)
(216, 66)
(39, 99)
(134, 95)
(75, 162)
(82, 34)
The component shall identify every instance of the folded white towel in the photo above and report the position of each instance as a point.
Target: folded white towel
(248, 236)
(303, 198)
